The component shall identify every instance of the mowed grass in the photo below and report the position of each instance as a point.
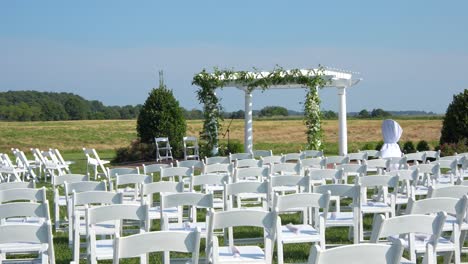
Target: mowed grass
(279, 135)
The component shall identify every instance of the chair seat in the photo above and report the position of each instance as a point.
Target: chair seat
(155, 212)
(246, 254)
(421, 240)
(421, 190)
(450, 221)
(104, 249)
(375, 207)
(22, 247)
(190, 227)
(339, 219)
(304, 233)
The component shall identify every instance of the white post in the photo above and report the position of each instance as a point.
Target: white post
(248, 126)
(343, 130)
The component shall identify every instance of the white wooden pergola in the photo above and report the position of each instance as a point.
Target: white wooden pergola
(335, 78)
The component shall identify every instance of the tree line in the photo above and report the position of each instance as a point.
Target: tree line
(48, 106)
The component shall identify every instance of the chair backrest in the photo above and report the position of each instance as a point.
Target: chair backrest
(358, 169)
(93, 158)
(234, 189)
(84, 186)
(34, 195)
(371, 153)
(311, 154)
(285, 169)
(142, 244)
(147, 190)
(268, 160)
(250, 174)
(59, 156)
(315, 163)
(447, 164)
(427, 168)
(69, 178)
(407, 224)
(336, 160)
(378, 181)
(152, 168)
(449, 205)
(404, 174)
(208, 179)
(239, 156)
(456, 191)
(416, 157)
(341, 190)
(197, 164)
(325, 175)
(190, 199)
(132, 179)
(215, 160)
(248, 163)
(301, 182)
(218, 168)
(121, 171)
(176, 172)
(376, 164)
(357, 156)
(99, 214)
(359, 253)
(397, 163)
(96, 197)
(17, 185)
(286, 202)
(262, 153)
(432, 154)
(295, 157)
(22, 233)
(25, 209)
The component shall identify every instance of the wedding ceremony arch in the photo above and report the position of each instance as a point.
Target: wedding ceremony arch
(279, 78)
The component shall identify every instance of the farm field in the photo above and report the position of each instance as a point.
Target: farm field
(279, 135)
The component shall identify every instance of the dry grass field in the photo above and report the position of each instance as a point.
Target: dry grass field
(112, 134)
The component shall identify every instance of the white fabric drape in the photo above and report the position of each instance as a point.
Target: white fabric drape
(391, 132)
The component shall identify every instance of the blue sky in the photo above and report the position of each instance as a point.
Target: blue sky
(412, 55)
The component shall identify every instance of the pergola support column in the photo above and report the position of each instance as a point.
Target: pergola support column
(343, 131)
(248, 123)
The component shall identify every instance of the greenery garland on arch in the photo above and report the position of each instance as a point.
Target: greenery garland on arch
(208, 82)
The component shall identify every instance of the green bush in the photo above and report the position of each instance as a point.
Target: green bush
(368, 145)
(379, 145)
(137, 151)
(423, 146)
(161, 116)
(408, 147)
(455, 124)
(449, 149)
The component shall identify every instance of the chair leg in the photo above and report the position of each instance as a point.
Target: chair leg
(280, 252)
(361, 227)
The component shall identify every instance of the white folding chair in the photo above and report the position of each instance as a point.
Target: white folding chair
(257, 174)
(292, 157)
(29, 165)
(268, 160)
(129, 185)
(103, 248)
(356, 170)
(312, 228)
(191, 149)
(95, 163)
(78, 204)
(148, 191)
(312, 163)
(432, 154)
(378, 166)
(24, 213)
(241, 254)
(211, 184)
(193, 201)
(324, 176)
(340, 216)
(288, 184)
(415, 231)
(381, 201)
(246, 192)
(9, 171)
(27, 238)
(196, 164)
(456, 191)
(332, 161)
(406, 186)
(358, 157)
(358, 254)
(62, 200)
(140, 245)
(416, 158)
(151, 169)
(163, 149)
(286, 169)
(17, 185)
(450, 177)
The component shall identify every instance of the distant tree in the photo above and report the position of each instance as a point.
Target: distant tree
(329, 115)
(238, 114)
(161, 116)
(379, 113)
(76, 109)
(455, 124)
(273, 111)
(364, 114)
